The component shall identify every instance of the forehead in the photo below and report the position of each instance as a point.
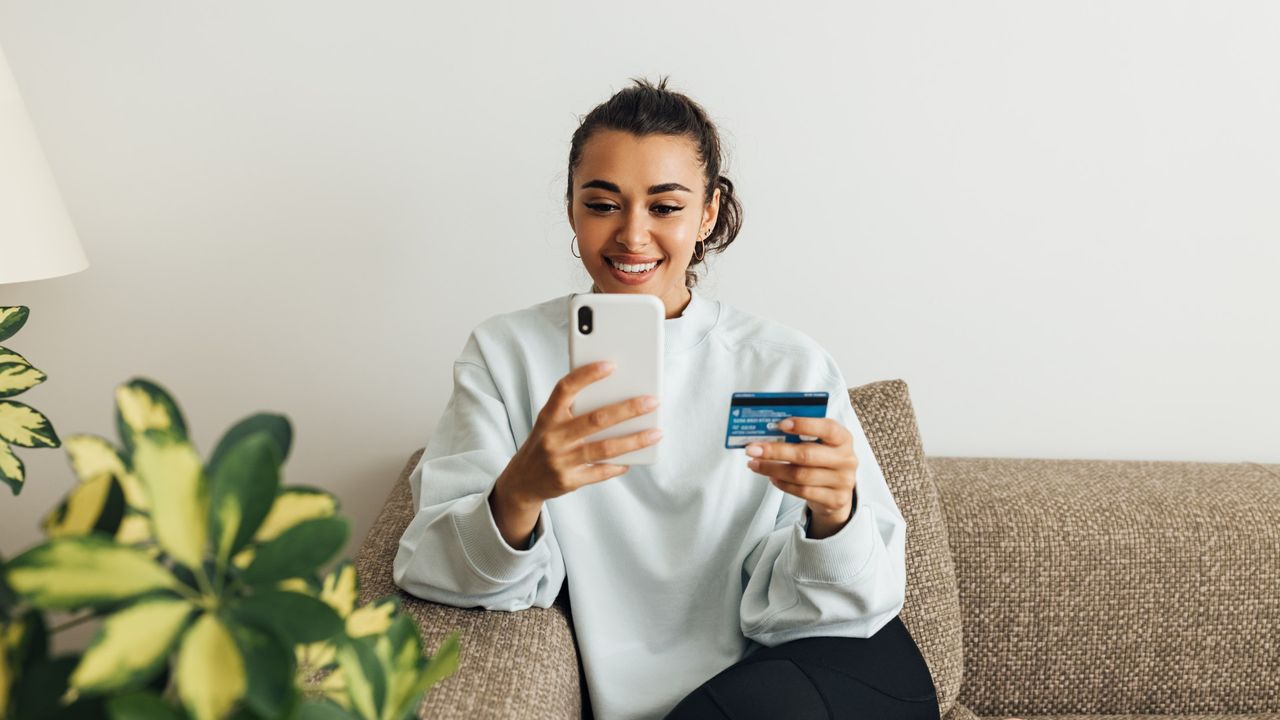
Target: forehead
(630, 159)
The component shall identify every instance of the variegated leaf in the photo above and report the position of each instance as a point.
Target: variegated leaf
(145, 705)
(243, 490)
(91, 456)
(275, 426)
(93, 506)
(142, 406)
(341, 587)
(12, 318)
(23, 425)
(174, 480)
(12, 471)
(373, 618)
(75, 572)
(210, 670)
(366, 684)
(132, 645)
(298, 551)
(293, 505)
(17, 375)
(269, 667)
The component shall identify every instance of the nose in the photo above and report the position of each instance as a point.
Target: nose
(634, 233)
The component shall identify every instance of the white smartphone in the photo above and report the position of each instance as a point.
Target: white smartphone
(625, 329)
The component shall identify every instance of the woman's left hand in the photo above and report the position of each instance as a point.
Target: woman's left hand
(823, 475)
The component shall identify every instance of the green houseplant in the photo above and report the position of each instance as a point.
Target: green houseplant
(20, 424)
(205, 577)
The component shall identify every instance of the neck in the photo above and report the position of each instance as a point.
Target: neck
(674, 308)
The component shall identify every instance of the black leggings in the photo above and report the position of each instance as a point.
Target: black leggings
(821, 678)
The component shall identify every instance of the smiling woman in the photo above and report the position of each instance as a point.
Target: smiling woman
(645, 196)
(703, 585)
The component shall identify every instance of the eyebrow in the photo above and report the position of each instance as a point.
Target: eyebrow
(653, 189)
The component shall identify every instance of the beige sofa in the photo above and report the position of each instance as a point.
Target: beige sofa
(1036, 588)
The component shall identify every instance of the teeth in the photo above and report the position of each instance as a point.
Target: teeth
(633, 268)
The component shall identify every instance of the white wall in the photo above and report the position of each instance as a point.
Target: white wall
(1057, 221)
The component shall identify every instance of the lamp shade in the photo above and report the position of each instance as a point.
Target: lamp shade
(37, 239)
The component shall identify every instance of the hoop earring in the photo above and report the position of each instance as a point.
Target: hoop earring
(575, 237)
(697, 257)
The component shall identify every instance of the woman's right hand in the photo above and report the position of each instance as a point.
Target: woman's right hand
(555, 459)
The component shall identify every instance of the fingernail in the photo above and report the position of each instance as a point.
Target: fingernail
(652, 435)
(754, 450)
(786, 424)
(650, 402)
(753, 464)
(606, 365)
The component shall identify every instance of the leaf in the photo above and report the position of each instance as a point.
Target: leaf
(323, 710)
(298, 551)
(275, 426)
(69, 573)
(269, 667)
(132, 645)
(11, 469)
(18, 376)
(23, 425)
(210, 670)
(92, 456)
(374, 618)
(444, 663)
(294, 505)
(12, 318)
(366, 684)
(400, 652)
(341, 587)
(141, 706)
(42, 686)
(172, 474)
(244, 486)
(294, 617)
(93, 506)
(142, 406)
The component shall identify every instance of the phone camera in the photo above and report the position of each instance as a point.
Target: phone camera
(584, 319)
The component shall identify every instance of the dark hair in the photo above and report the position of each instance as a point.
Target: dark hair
(649, 110)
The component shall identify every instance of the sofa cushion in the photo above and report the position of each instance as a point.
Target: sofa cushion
(931, 611)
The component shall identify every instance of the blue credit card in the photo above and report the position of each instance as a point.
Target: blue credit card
(754, 416)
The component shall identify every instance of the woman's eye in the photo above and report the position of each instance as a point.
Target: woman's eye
(669, 208)
(599, 206)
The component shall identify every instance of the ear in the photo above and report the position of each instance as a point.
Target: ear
(713, 209)
(568, 210)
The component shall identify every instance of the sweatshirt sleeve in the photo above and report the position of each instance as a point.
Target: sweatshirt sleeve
(849, 584)
(452, 551)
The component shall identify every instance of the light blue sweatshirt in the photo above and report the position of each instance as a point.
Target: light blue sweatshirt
(676, 570)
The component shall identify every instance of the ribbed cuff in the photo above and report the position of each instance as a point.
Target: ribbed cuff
(486, 549)
(838, 558)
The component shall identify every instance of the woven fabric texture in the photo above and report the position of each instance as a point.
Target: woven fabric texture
(514, 666)
(1121, 588)
(1246, 716)
(931, 611)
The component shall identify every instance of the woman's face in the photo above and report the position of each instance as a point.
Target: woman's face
(636, 201)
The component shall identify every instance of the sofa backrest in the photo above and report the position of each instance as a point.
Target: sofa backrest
(931, 611)
(1116, 587)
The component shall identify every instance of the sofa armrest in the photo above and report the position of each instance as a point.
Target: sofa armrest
(511, 665)
(1115, 587)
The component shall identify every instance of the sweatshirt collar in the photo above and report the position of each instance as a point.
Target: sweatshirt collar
(683, 332)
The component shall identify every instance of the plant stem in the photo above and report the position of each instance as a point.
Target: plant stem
(71, 623)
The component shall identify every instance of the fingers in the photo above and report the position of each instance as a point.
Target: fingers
(830, 497)
(613, 447)
(607, 416)
(797, 474)
(571, 384)
(803, 453)
(827, 430)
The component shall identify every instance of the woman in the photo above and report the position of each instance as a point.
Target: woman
(701, 586)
